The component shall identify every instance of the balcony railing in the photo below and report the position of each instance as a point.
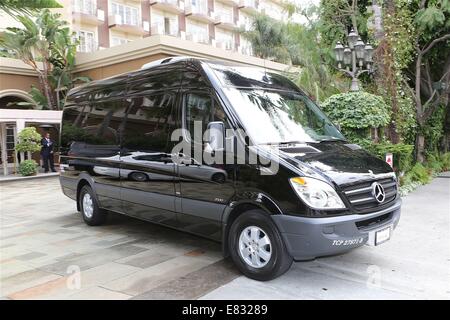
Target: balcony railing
(249, 5)
(199, 12)
(225, 20)
(225, 44)
(198, 37)
(133, 26)
(158, 28)
(174, 6)
(231, 2)
(224, 17)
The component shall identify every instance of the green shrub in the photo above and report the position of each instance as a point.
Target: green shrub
(419, 173)
(433, 130)
(445, 161)
(434, 163)
(402, 153)
(357, 112)
(28, 167)
(28, 139)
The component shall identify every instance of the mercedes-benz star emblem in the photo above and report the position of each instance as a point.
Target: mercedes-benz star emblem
(378, 192)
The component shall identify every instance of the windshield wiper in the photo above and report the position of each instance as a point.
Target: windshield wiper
(332, 140)
(284, 142)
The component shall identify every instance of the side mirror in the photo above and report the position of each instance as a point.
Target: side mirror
(215, 136)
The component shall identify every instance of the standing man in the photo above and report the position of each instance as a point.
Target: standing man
(47, 152)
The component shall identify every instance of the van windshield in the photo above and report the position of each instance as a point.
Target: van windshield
(276, 116)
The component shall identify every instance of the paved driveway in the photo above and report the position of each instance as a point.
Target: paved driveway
(415, 264)
(44, 243)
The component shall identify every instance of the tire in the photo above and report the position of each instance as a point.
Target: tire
(92, 214)
(250, 261)
(218, 177)
(138, 176)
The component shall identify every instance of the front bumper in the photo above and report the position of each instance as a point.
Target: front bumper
(308, 238)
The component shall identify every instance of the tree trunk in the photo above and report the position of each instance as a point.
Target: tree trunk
(420, 147)
(385, 76)
(47, 88)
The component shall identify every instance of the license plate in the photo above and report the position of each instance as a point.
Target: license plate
(382, 235)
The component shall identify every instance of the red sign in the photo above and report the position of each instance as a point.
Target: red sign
(390, 159)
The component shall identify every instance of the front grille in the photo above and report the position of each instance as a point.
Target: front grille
(361, 198)
(364, 224)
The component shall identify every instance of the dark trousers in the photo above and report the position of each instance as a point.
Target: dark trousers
(48, 158)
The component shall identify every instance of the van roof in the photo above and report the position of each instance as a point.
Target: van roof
(121, 77)
(92, 86)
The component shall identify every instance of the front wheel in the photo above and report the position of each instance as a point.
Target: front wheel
(256, 246)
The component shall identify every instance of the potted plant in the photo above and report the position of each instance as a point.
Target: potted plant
(28, 168)
(28, 140)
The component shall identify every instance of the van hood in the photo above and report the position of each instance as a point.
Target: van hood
(341, 162)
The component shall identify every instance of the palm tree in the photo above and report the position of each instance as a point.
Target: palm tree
(26, 6)
(268, 39)
(45, 45)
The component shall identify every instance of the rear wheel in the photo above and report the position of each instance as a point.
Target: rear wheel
(256, 246)
(93, 215)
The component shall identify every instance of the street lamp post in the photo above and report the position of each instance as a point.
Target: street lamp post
(356, 55)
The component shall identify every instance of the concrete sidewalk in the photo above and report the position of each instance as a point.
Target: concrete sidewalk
(18, 177)
(415, 264)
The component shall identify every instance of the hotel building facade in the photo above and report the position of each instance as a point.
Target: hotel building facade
(117, 36)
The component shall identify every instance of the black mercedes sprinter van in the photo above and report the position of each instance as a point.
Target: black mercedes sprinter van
(138, 144)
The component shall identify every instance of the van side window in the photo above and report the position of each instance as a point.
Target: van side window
(204, 108)
(85, 127)
(149, 122)
(154, 80)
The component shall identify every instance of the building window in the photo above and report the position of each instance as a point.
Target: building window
(165, 24)
(128, 15)
(117, 41)
(224, 39)
(197, 32)
(87, 41)
(85, 6)
(199, 6)
(224, 12)
(10, 143)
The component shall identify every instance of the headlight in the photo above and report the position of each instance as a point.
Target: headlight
(316, 194)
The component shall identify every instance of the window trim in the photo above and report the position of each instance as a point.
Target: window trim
(94, 37)
(172, 111)
(125, 6)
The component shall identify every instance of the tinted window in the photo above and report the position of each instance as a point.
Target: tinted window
(145, 82)
(202, 107)
(271, 116)
(250, 77)
(192, 78)
(87, 126)
(149, 122)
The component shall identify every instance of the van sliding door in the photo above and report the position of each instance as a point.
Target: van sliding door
(147, 171)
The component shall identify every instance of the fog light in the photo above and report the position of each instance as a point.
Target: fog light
(328, 229)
